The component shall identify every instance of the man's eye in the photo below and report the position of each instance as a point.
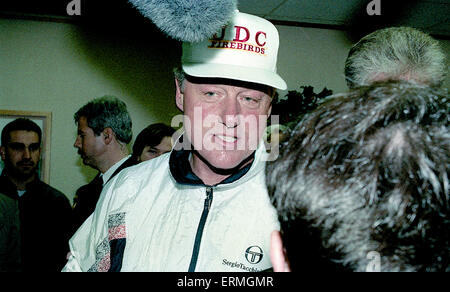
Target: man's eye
(210, 94)
(16, 146)
(152, 151)
(34, 147)
(250, 101)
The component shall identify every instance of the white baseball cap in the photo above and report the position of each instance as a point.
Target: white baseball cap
(245, 49)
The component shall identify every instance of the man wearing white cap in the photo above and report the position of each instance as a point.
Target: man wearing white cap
(204, 206)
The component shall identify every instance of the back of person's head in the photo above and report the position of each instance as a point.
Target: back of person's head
(20, 124)
(151, 136)
(368, 172)
(107, 112)
(398, 53)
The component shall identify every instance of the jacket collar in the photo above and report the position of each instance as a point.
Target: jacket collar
(9, 188)
(181, 170)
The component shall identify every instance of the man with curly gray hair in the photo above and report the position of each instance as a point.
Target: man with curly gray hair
(397, 53)
(104, 130)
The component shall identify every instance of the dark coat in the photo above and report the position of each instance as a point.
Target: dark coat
(9, 235)
(45, 217)
(86, 196)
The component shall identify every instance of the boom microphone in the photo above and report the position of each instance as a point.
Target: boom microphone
(187, 20)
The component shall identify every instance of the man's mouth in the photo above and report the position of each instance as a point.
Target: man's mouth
(227, 139)
(25, 164)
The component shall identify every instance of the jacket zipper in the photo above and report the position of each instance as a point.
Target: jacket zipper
(201, 226)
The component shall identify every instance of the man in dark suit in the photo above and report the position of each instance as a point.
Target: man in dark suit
(104, 130)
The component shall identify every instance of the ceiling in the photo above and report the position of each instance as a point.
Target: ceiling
(432, 16)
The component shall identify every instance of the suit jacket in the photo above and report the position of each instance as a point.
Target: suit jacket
(86, 196)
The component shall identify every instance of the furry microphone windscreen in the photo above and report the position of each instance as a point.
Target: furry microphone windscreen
(187, 20)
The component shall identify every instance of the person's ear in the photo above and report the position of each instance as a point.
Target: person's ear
(277, 253)
(108, 135)
(179, 96)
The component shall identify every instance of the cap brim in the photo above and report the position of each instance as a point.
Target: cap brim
(241, 73)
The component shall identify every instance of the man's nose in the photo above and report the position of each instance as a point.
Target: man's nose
(26, 153)
(230, 112)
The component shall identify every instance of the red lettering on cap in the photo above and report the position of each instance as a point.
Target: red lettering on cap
(238, 34)
(258, 34)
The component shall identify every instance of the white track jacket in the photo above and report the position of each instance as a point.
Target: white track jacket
(157, 216)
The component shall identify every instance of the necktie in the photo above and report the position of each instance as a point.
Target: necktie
(98, 181)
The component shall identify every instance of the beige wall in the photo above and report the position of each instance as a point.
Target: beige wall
(313, 56)
(58, 67)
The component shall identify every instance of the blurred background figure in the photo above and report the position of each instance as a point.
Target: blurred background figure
(362, 185)
(153, 141)
(396, 53)
(104, 132)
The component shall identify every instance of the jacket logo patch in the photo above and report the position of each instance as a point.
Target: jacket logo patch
(254, 254)
(106, 257)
